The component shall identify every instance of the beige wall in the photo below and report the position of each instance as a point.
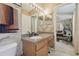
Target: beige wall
(26, 23)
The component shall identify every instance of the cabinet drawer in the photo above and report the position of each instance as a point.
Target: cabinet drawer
(41, 44)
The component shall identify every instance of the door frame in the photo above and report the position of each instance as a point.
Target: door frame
(54, 21)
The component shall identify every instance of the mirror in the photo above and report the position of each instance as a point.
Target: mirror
(45, 24)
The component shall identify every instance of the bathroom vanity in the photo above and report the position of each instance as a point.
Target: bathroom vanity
(37, 45)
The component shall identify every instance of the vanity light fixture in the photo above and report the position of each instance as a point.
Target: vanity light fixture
(46, 12)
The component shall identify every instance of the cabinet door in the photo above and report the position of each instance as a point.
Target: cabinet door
(28, 48)
(50, 41)
(43, 51)
(3, 14)
(41, 44)
(15, 20)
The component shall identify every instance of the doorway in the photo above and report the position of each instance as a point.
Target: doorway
(63, 28)
(64, 23)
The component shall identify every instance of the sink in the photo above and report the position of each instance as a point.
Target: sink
(35, 38)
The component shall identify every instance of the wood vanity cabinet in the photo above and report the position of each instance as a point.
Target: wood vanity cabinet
(35, 49)
(39, 48)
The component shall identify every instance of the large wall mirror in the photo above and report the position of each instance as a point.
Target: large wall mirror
(40, 23)
(45, 24)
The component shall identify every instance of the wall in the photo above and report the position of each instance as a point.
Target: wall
(76, 29)
(26, 24)
(77, 26)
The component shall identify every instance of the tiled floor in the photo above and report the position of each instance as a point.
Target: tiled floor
(62, 49)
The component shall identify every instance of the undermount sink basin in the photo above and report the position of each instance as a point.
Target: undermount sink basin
(35, 37)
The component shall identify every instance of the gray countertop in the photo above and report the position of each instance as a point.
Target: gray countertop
(38, 38)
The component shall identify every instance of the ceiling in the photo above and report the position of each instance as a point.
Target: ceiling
(48, 6)
(65, 12)
(44, 7)
(66, 9)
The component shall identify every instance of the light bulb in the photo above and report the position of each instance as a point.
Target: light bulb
(45, 12)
